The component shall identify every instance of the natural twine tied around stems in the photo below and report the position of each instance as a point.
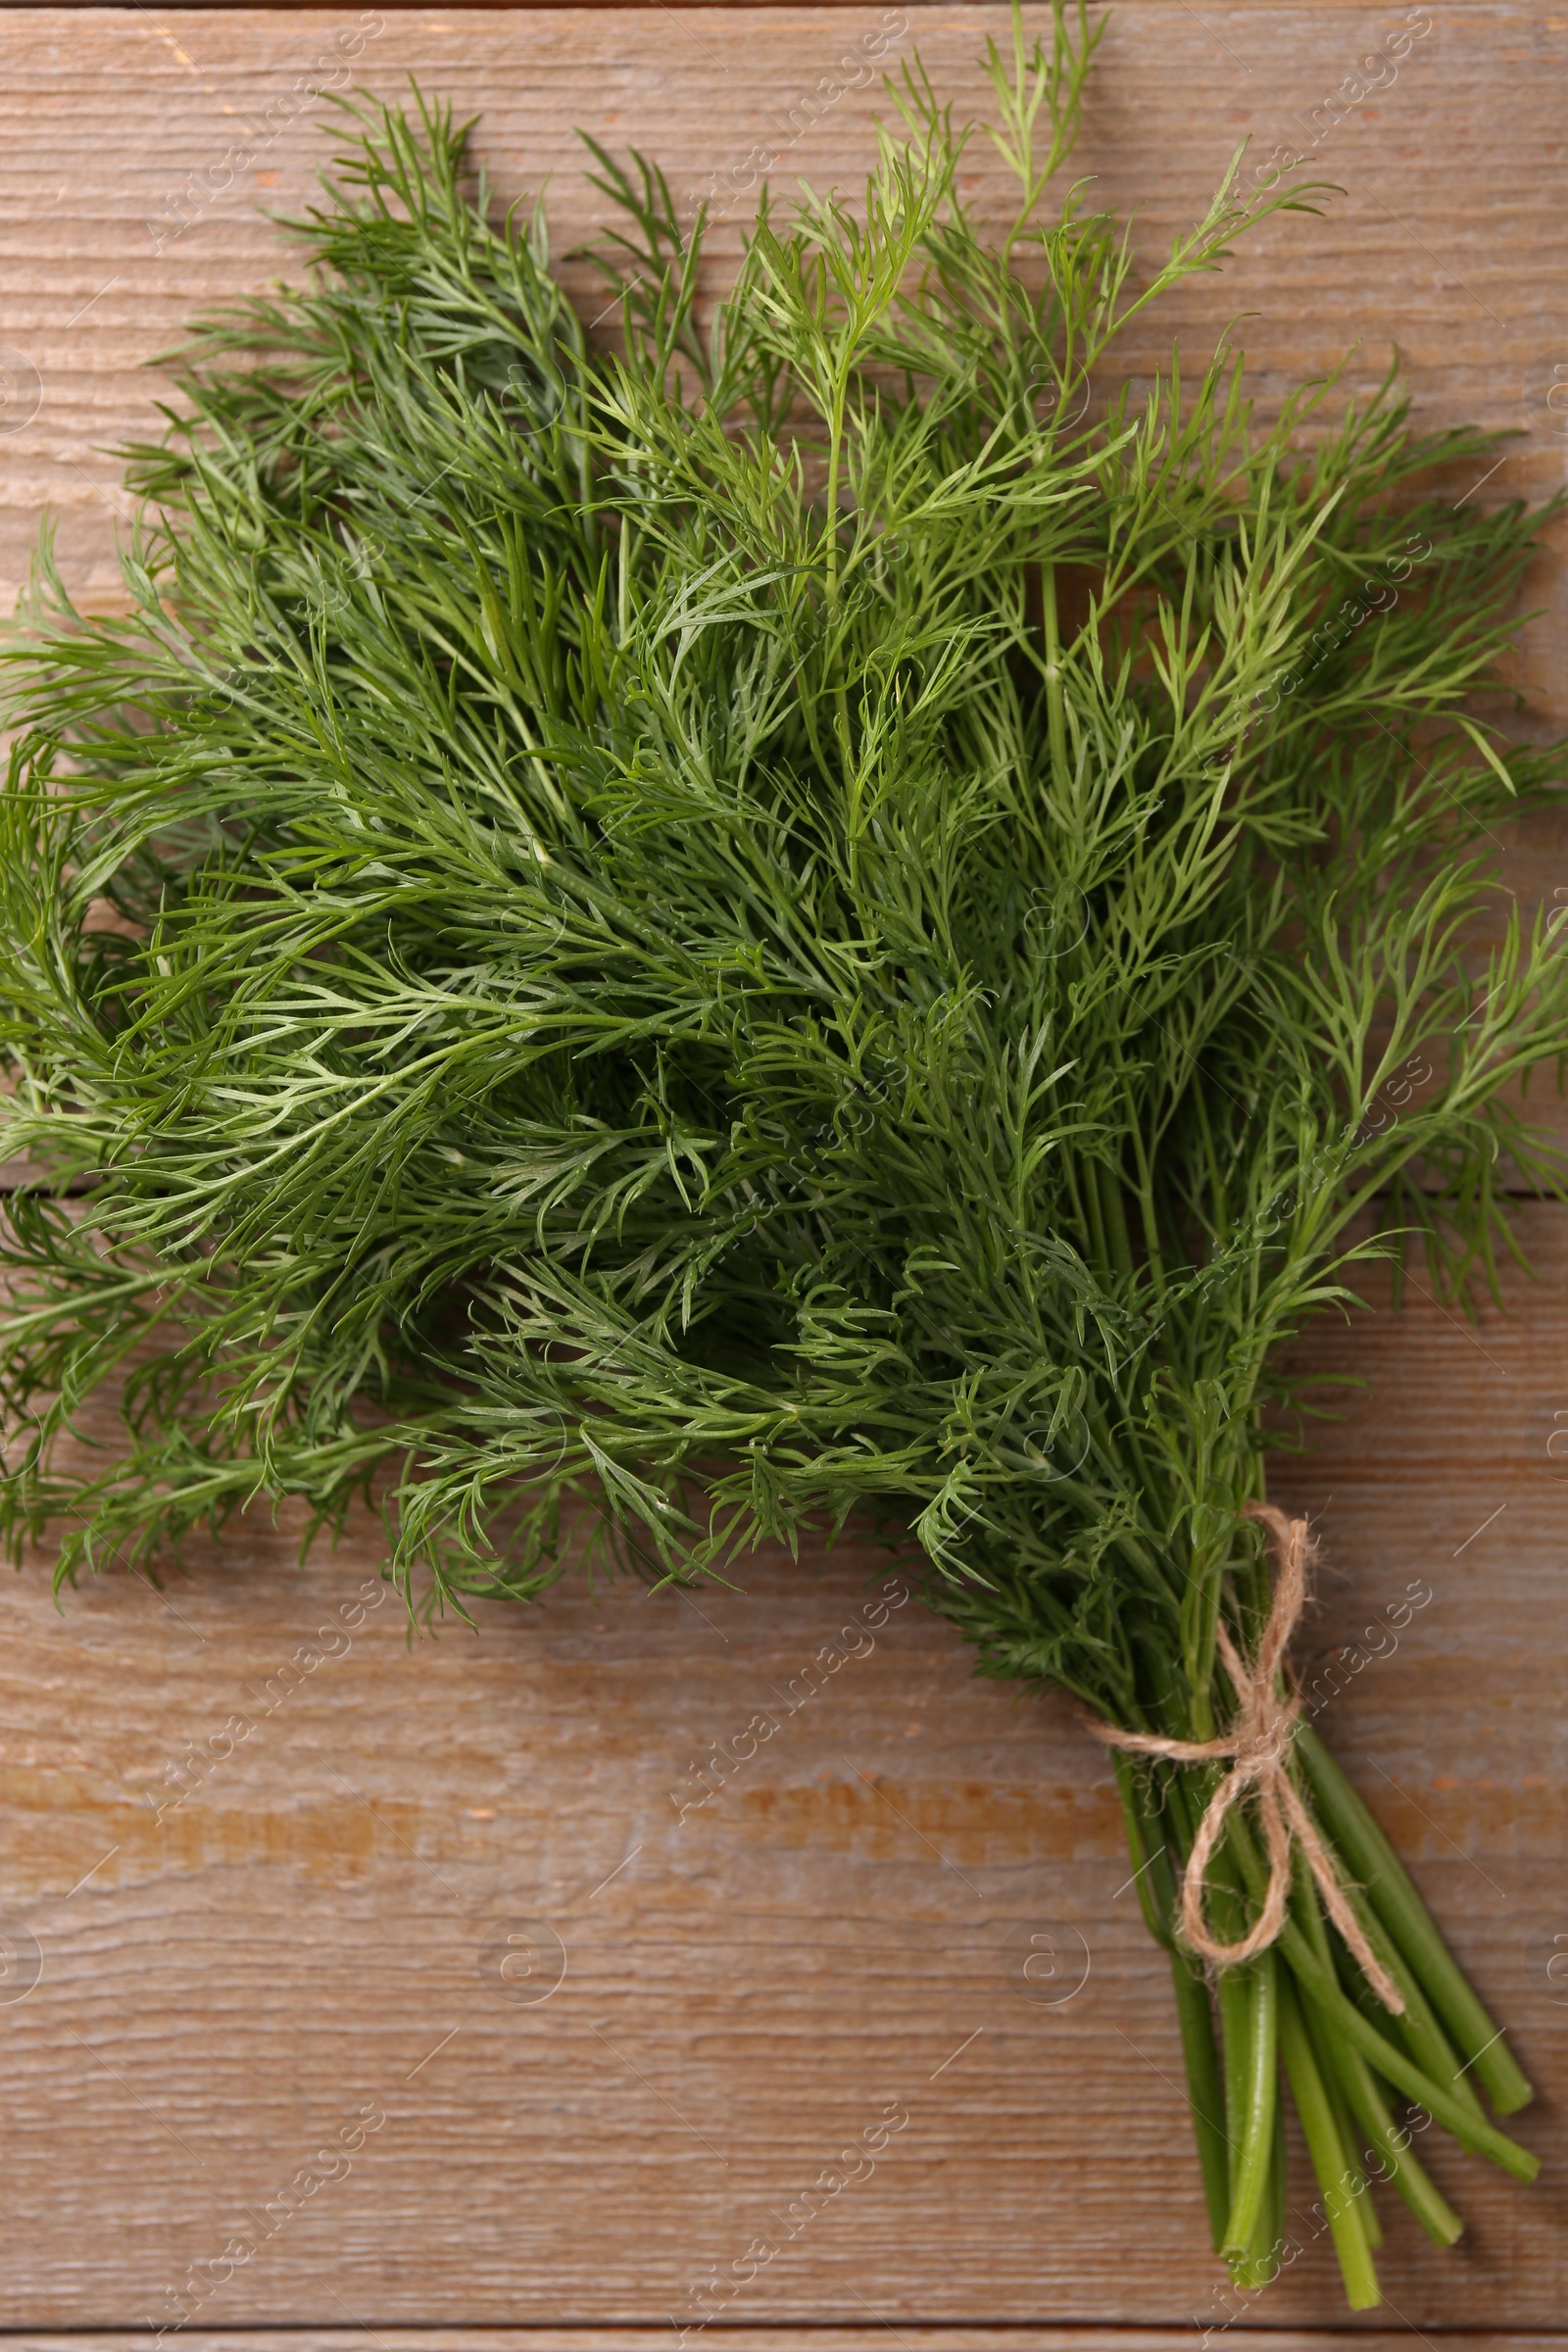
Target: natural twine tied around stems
(1257, 1745)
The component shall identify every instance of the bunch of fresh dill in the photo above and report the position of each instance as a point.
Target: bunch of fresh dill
(775, 921)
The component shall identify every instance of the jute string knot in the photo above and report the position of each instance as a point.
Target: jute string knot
(1258, 1748)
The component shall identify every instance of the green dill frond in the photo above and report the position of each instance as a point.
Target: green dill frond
(806, 914)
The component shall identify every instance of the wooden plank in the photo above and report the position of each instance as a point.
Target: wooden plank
(226, 1984)
(814, 2339)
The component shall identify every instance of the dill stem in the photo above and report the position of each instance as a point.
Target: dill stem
(1319, 1983)
(1146, 1205)
(1337, 2176)
(1259, 2266)
(1393, 1896)
(1351, 2134)
(1199, 1646)
(1221, 1214)
(1086, 1235)
(1274, 2217)
(1149, 1840)
(1350, 2138)
(1155, 1884)
(1418, 2029)
(1249, 2002)
(1094, 1202)
(835, 453)
(1346, 2074)
(1400, 2165)
(1117, 1238)
(1205, 2088)
(1056, 708)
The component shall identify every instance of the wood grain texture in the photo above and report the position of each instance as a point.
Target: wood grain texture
(228, 1982)
(1118, 2336)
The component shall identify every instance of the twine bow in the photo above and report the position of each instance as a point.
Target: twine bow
(1257, 1745)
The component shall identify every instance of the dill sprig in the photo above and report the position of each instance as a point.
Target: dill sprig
(801, 915)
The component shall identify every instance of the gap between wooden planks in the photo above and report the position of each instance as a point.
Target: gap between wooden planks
(304, 1933)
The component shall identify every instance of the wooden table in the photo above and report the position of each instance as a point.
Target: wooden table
(309, 1947)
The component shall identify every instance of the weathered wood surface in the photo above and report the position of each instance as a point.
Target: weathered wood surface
(910, 2335)
(227, 1983)
(914, 2339)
